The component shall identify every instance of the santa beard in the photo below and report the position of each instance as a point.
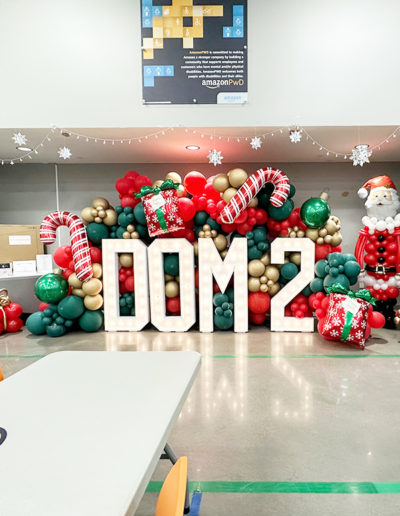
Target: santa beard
(383, 210)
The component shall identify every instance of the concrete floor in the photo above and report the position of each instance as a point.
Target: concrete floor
(276, 424)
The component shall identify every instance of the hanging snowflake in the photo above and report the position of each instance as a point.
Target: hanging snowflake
(19, 139)
(255, 142)
(360, 155)
(295, 136)
(64, 153)
(215, 157)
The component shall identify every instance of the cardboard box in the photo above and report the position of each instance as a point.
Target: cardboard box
(19, 243)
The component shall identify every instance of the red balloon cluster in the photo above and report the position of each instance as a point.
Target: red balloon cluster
(128, 185)
(9, 318)
(246, 221)
(126, 280)
(385, 248)
(281, 227)
(384, 295)
(259, 304)
(298, 307)
(62, 257)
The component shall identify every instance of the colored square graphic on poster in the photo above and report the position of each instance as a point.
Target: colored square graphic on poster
(194, 52)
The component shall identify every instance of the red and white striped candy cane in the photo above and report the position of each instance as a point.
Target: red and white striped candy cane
(250, 189)
(79, 242)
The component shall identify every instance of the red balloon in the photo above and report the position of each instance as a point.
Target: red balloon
(128, 201)
(174, 304)
(124, 186)
(130, 284)
(321, 250)
(244, 228)
(228, 228)
(242, 217)
(256, 318)
(131, 174)
(261, 216)
(67, 273)
(259, 302)
(43, 306)
(14, 325)
(142, 181)
(211, 193)
(392, 292)
(1, 326)
(376, 319)
(95, 255)
(13, 310)
(189, 235)
(62, 256)
(187, 208)
(194, 182)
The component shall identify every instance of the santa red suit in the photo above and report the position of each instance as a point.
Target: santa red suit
(378, 245)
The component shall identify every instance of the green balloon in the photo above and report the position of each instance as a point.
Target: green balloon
(97, 232)
(213, 224)
(71, 307)
(223, 322)
(120, 232)
(340, 278)
(50, 288)
(317, 285)
(306, 291)
(231, 294)
(254, 253)
(220, 298)
(91, 320)
(139, 214)
(55, 330)
(335, 259)
(352, 269)
(259, 234)
(320, 268)
(315, 212)
(289, 270)
(142, 230)
(200, 218)
(35, 324)
(349, 257)
(283, 212)
(125, 219)
(292, 191)
(171, 264)
(124, 310)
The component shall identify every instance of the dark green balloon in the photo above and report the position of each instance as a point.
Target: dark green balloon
(97, 232)
(71, 307)
(50, 288)
(320, 268)
(259, 234)
(224, 322)
(352, 269)
(91, 320)
(253, 253)
(283, 212)
(213, 224)
(35, 324)
(292, 191)
(139, 214)
(200, 218)
(306, 291)
(219, 299)
(55, 330)
(120, 232)
(340, 278)
(171, 264)
(317, 285)
(315, 212)
(142, 230)
(125, 219)
(289, 270)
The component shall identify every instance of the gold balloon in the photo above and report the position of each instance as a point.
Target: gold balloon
(176, 178)
(256, 268)
(86, 214)
(264, 288)
(273, 289)
(300, 234)
(263, 279)
(172, 289)
(58, 270)
(319, 240)
(159, 182)
(74, 281)
(253, 203)
(110, 218)
(78, 292)
(253, 284)
(93, 302)
(98, 220)
(336, 239)
(272, 273)
(221, 182)
(168, 277)
(177, 278)
(126, 234)
(214, 234)
(323, 232)
(295, 258)
(228, 194)
(237, 176)
(101, 203)
(328, 239)
(201, 234)
(220, 242)
(312, 234)
(102, 214)
(135, 234)
(206, 227)
(130, 228)
(93, 211)
(126, 259)
(196, 248)
(207, 234)
(97, 270)
(266, 259)
(223, 253)
(180, 191)
(92, 287)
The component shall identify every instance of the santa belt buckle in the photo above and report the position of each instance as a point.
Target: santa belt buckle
(380, 269)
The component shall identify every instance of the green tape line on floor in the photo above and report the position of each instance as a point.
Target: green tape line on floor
(288, 487)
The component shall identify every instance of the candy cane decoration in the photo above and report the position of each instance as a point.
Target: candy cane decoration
(79, 241)
(250, 189)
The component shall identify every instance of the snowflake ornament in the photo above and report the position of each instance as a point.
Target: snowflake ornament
(19, 139)
(64, 153)
(255, 142)
(295, 136)
(215, 157)
(360, 155)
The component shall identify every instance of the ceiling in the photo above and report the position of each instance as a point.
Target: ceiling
(170, 146)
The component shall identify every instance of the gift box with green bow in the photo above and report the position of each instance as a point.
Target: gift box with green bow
(161, 208)
(346, 317)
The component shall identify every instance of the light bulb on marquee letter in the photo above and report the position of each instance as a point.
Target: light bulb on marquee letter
(211, 264)
(112, 320)
(159, 319)
(278, 249)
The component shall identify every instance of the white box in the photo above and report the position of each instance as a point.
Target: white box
(24, 267)
(5, 270)
(44, 263)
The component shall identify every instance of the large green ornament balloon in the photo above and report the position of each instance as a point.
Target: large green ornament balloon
(283, 212)
(91, 320)
(35, 324)
(50, 288)
(315, 212)
(97, 232)
(71, 307)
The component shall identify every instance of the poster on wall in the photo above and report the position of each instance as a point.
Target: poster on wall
(194, 53)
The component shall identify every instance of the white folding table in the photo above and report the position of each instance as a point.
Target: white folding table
(85, 430)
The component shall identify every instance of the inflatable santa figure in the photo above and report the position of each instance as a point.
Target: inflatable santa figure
(378, 245)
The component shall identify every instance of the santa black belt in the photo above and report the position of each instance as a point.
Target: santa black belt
(380, 269)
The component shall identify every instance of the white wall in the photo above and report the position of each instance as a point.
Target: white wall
(311, 62)
(27, 192)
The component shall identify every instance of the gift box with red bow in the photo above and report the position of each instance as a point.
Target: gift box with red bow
(161, 208)
(9, 313)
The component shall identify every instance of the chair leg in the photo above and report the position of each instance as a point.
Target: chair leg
(169, 454)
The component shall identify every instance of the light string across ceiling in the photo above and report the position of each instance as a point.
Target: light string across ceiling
(359, 154)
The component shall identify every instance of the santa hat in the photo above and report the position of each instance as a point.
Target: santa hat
(376, 183)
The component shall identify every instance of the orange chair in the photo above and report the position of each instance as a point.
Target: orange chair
(1, 375)
(171, 500)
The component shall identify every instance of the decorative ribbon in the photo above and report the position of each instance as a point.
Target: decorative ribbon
(155, 190)
(4, 301)
(363, 293)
